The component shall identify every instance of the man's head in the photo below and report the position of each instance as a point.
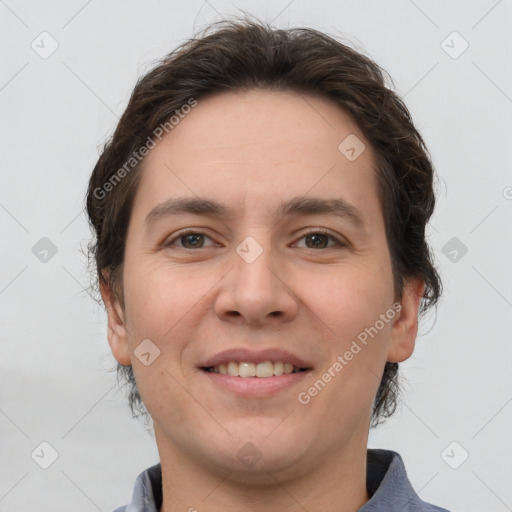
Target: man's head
(256, 120)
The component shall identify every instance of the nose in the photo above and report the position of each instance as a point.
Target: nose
(257, 291)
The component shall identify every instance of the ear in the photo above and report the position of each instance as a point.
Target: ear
(405, 326)
(116, 335)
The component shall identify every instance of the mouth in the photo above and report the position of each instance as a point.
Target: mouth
(248, 373)
(262, 370)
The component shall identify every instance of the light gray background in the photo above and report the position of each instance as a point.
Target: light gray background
(55, 113)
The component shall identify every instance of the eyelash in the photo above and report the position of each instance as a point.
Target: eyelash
(315, 231)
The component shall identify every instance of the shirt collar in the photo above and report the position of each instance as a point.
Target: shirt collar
(388, 485)
(386, 482)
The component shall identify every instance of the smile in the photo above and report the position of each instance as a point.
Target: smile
(265, 369)
(249, 373)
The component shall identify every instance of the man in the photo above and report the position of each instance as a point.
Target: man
(260, 216)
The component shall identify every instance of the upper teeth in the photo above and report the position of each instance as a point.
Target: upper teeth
(266, 369)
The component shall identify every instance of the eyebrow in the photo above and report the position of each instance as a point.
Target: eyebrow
(299, 205)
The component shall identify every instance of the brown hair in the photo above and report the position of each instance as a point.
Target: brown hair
(243, 54)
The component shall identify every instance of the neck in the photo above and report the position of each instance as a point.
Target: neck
(334, 483)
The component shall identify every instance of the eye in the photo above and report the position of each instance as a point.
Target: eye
(317, 239)
(189, 240)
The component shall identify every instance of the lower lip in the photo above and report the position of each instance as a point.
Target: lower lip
(256, 386)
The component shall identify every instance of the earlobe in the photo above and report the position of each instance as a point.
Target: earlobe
(116, 333)
(405, 326)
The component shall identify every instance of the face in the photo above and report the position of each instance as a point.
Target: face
(274, 260)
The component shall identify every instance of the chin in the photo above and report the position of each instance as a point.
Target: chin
(253, 453)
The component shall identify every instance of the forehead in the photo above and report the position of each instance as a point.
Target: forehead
(256, 148)
(246, 122)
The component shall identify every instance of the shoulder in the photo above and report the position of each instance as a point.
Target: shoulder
(147, 492)
(389, 487)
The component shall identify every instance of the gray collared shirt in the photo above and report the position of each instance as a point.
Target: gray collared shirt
(386, 482)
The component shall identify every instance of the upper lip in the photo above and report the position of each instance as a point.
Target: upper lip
(245, 355)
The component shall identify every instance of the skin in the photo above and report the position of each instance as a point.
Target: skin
(251, 150)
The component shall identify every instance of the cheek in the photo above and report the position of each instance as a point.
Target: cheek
(342, 392)
(158, 298)
(348, 306)
(166, 305)
(347, 299)
(163, 395)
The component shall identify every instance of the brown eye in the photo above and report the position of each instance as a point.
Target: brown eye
(319, 239)
(192, 241)
(188, 240)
